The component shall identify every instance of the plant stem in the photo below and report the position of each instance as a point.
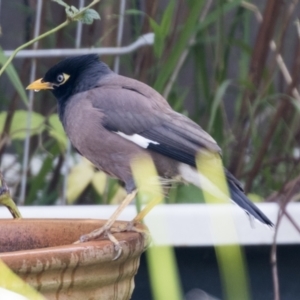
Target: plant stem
(256, 68)
(31, 42)
(6, 200)
(62, 25)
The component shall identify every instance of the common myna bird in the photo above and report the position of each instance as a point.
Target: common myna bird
(111, 119)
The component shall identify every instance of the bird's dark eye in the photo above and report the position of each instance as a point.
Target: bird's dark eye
(60, 78)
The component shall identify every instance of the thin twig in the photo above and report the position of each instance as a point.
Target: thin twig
(291, 82)
(281, 212)
(256, 66)
(281, 64)
(40, 37)
(274, 161)
(274, 258)
(238, 163)
(281, 109)
(292, 221)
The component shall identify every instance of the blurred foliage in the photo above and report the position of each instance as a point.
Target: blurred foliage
(87, 17)
(11, 282)
(57, 132)
(14, 78)
(205, 61)
(231, 260)
(18, 125)
(211, 60)
(6, 200)
(164, 277)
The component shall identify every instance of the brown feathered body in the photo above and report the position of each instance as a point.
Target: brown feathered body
(114, 99)
(112, 120)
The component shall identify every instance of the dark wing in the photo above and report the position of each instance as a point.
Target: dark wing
(138, 113)
(132, 114)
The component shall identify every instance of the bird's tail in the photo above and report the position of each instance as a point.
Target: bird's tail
(237, 195)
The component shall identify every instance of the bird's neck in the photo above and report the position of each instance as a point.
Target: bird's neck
(61, 107)
(88, 79)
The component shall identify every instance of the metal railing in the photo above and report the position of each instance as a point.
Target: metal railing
(144, 40)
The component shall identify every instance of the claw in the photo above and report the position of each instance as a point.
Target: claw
(117, 245)
(131, 226)
(107, 231)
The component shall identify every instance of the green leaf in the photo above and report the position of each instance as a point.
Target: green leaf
(19, 124)
(14, 283)
(57, 131)
(161, 31)
(71, 11)
(213, 16)
(38, 184)
(189, 194)
(155, 27)
(163, 271)
(296, 103)
(79, 178)
(134, 12)
(216, 103)
(158, 46)
(231, 260)
(14, 77)
(88, 16)
(167, 19)
(203, 87)
(182, 42)
(255, 198)
(99, 182)
(61, 2)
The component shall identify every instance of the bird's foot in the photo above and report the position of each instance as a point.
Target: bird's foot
(133, 227)
(107, 231)
(104, 231)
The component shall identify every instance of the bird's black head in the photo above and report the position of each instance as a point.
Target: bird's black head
(72, 75)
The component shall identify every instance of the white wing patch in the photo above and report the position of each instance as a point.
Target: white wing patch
(137, 139)
(191, 175)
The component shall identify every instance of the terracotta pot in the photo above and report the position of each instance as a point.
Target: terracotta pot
(41, 252)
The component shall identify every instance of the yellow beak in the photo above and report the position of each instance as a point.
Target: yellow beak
(39, 85)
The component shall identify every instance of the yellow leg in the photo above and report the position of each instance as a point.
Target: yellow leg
(107, 230)
(131, 226)
(142, 214)
(98, 232)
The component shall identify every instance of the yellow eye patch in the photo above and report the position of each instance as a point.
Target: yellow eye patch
(66, 77)
(61, 79)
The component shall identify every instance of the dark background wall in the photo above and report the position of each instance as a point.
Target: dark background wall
(198, 271)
